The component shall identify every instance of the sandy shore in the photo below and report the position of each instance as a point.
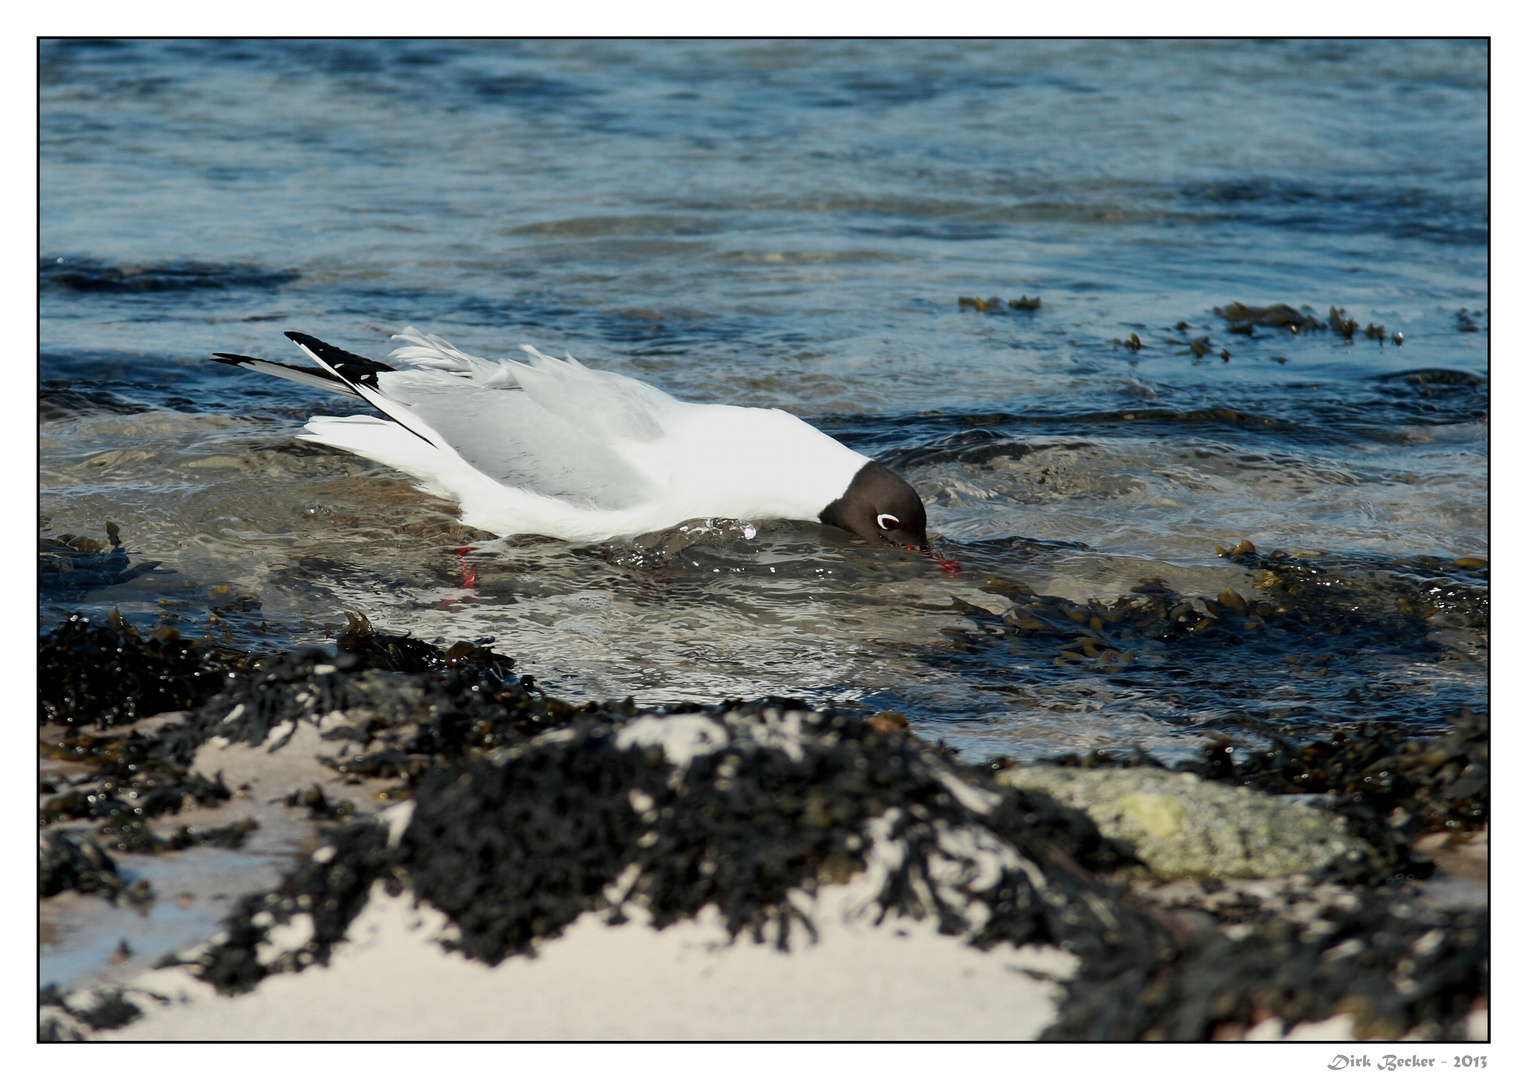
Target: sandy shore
(901, 980)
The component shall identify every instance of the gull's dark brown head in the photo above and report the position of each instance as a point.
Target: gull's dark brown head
(881, 507)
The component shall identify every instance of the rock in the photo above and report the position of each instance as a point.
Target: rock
(1183, 826)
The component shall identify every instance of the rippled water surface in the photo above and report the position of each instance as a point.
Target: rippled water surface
(794, 224)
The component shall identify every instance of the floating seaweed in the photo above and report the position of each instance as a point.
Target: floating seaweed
(995, 304)
(1244, 319)
(180, 275)
(1341, 324)
(1309, 649)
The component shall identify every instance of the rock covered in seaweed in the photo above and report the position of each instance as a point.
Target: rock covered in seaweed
(106, 675)
(1394, 967)
(750, 809)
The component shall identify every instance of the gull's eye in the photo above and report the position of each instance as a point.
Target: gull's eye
(888, 522)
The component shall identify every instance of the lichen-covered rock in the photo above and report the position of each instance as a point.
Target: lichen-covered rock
(1184, 826)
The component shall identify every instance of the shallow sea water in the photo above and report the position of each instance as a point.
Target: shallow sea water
(793, 224)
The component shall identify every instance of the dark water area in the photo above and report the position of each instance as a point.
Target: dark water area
(795, 224)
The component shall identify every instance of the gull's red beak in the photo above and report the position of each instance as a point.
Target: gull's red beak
(946, 564)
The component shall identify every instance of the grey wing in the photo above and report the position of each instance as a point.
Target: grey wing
(603, 404)
(507, 435)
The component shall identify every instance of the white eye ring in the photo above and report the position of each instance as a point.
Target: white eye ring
(888, 522)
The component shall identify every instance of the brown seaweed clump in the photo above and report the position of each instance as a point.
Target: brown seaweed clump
(1244, 319)
(1341, 324)
(995, 304)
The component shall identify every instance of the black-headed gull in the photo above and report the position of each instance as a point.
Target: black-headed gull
(552, 447)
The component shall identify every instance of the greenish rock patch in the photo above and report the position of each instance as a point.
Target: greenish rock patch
(1183, 826)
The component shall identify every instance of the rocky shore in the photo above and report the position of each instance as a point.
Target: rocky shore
(468, 858)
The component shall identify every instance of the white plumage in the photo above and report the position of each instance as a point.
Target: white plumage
(551, 447)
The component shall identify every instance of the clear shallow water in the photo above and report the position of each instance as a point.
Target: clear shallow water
(793, 224)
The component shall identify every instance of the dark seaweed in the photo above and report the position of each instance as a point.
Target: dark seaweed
(417, 698)
(108, 1009)
(1244, 319)
(1395, 967)
(331, 893)
(1341, 324)
(739, 828)
(399, 652)
(66, 861)
(995, 305)
(1416, 786)
(58, 399)
(318, 805)
(515, 849)
(1331, 626)
(137, 838)
(1373, 597)
(106, 676)
(70, 565)
(136, 777)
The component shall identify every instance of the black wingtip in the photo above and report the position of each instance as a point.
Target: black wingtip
(353, 369)
(337, 357)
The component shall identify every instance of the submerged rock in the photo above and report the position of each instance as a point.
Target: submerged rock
(72, 565)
